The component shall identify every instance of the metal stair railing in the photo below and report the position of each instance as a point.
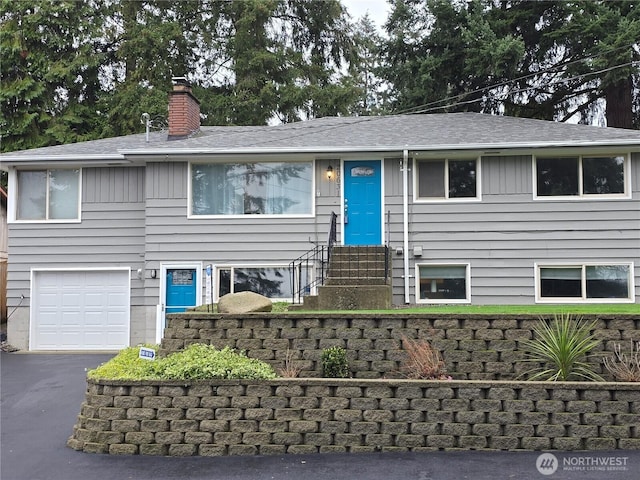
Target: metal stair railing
(310, 269)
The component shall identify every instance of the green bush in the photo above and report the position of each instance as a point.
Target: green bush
(126, 365)
(200, 361)
(334, 363)
(196, 362)
(561, 348)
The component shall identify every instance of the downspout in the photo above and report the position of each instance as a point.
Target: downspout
(405, 224)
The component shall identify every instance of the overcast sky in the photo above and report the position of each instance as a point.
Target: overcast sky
(378, 9)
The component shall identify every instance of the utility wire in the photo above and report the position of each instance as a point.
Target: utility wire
(419, 108)
(521, 90)
(357, 120)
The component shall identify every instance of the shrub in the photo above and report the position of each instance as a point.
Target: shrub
(199, 361)
(423, 361)
(560, 348)
(290, 369)
(196, 362)
(126, 365)
(624, 367)
(334, 363)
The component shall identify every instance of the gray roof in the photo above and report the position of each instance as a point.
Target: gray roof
(392, 133)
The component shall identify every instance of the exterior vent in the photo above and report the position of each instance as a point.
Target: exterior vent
(184, 110)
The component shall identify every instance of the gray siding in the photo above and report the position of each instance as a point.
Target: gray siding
(111, 232)
(172, 237)
(507, 232)
(137, 217)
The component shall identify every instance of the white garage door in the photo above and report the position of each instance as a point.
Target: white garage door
(80, 310)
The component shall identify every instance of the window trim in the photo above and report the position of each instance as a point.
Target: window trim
(233, 266)
(12, 202)
(465, 300)
(416, 181)
(583, 298)
(251, 217)
(581, 196)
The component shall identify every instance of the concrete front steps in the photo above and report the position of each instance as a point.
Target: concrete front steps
(359, 278)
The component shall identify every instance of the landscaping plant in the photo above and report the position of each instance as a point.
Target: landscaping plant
(196, 362)
(200, 361)
(561, 348)
(126, 365)
(290, 369)
(423, 361)
(624, 367)
(334, 363)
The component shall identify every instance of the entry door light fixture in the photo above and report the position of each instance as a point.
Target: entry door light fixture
(329, 173)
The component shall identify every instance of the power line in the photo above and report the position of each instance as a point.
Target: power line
(421, 109)
(522, 90)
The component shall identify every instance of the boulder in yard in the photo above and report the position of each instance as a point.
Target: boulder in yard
(244, 302)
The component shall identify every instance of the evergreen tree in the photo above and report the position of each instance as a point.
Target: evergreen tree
(545, 59)
(49, 72)
(441, 55)
(365, 69)
(78, 70)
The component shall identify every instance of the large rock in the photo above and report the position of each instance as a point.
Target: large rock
(244, 302)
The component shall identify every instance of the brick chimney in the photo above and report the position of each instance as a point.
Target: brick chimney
(184, 110)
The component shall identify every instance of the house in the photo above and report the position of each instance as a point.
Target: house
(3, 255)
(107, 236)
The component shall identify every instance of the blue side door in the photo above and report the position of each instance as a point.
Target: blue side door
(180, 289)
(362, 202)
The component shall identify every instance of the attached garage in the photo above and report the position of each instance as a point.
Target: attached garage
(80, 309)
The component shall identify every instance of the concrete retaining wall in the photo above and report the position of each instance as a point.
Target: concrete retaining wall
(354, 415)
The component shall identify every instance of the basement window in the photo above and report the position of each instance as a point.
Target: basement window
(443, 283)
(273, 282)
(598, 283)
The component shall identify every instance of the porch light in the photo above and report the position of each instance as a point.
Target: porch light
(329, 173)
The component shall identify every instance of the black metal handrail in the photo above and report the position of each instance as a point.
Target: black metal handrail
(310, 269)
(332, 234)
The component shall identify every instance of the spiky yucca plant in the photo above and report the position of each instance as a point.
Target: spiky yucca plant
(561, 348)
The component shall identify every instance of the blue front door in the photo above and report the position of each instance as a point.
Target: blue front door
(362, 202)
(181, 289)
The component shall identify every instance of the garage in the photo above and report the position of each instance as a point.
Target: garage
(80, 309)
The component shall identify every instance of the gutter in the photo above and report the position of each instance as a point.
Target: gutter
(120, 155)
(405, 224)
(491, 148)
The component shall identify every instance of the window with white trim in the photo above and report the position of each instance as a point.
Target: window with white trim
(581, 176)
(273, 282)
(586, 282)
(48, 195)
(447, 179)
(443, 283)
(252, 188)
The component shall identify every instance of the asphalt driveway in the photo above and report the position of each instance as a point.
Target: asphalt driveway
(41, 397)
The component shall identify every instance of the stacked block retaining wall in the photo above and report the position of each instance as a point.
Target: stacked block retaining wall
(242, 417)
(474, 347)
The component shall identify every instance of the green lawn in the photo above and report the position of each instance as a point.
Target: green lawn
(584, 308)
(604, 308)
